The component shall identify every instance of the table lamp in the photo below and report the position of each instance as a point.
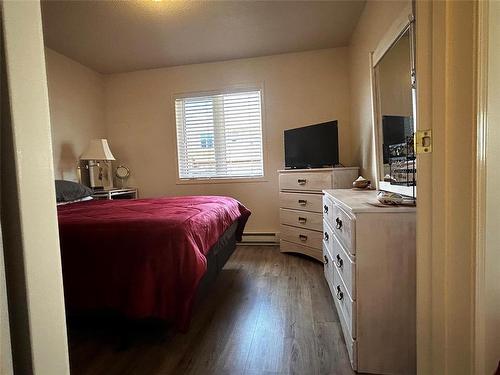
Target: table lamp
(98, 151)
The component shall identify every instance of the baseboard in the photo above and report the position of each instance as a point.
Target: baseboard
(260, 238)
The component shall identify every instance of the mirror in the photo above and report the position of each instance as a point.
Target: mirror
(394, 107)
(123, 173)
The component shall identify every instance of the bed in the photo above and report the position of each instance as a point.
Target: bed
(146, 258)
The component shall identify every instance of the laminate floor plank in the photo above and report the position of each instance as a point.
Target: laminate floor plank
(268, 313)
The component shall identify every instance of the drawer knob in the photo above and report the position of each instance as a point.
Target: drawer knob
(302, 220)
(301, 181)
(302, 237)
(326, 259)
(339, 223)
(302, 202)
(327, 237)
(325, 209)
(340, 295)
(339, 262)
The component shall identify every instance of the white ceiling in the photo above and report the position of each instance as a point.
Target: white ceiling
(121, 36)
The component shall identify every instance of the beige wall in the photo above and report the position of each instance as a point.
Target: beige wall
(299, 89)
(376, 18)
(76, 96)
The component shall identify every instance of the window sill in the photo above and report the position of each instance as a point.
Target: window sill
(198, 181)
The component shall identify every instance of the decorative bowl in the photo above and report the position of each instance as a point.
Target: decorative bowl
(361, 183)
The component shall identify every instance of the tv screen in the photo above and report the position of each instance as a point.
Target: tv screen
(312, 146)
(395, 130)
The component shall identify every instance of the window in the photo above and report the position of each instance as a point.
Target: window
(220, 135)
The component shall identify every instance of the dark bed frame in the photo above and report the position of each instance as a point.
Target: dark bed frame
(216, 259)
(126, 329)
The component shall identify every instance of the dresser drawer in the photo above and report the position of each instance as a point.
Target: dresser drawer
(328, 209)
(344, 226)
(301, 201)
(328, 268)
(350, 343)
(308, 181)
(301, 219)
(291, 247)
(344, 302)
(328, 237)
(345, 266)
(301, 236)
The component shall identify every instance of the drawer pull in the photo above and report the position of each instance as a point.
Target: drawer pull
(340, 295)
(302, 220)
(326, 259)
(325, 209)
(301, 181)
(302, 202)
(327, 237)
(339, 261)
(339, 223)
(302, 237)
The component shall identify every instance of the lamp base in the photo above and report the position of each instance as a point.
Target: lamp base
(101, 177)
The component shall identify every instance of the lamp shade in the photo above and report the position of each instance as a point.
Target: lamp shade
(98, 149)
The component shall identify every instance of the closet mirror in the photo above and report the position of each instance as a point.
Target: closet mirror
(393, 75)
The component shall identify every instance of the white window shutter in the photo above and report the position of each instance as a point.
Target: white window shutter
(220, 136)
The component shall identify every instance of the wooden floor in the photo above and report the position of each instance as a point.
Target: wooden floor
(268, 313)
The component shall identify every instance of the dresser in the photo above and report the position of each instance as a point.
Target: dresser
(369, 265)
(301, 206)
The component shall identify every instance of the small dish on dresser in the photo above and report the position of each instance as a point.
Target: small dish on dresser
(361, 183)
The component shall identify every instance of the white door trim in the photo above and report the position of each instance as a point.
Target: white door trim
(482, 127)
(31, 240)
(5, 345)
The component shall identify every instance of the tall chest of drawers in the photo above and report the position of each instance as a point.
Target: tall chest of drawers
(369, 265)
(301, 206)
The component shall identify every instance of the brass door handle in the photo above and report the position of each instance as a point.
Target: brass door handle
(302, 237)
(302, 220)
(302, 202)
(301, 181)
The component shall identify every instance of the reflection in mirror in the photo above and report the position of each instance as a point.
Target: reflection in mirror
(395, 114)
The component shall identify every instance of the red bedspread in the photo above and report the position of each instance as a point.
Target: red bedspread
(144, 257)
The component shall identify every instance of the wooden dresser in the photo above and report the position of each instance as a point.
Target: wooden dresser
(301, 206)
(369, 264)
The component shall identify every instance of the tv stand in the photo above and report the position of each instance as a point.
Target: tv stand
(301, 207)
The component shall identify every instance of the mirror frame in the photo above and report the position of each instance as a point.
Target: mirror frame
(404, 22)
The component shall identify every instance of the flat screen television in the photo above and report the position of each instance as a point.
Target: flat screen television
(313, 146)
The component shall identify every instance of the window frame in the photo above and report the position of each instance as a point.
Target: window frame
(222, 180)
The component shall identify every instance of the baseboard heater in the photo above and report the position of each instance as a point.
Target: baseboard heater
(260, 238)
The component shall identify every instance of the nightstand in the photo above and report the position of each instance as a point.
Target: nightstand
(116, 193)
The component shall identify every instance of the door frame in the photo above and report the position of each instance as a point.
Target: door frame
(482, 39)
(29, 218)
(446, 50)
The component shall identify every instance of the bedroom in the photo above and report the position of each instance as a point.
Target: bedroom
(105, 82)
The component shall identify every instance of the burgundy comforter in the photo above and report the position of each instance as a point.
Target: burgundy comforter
(144, 257)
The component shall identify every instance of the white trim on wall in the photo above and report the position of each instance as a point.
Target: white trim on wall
(5, 345)
(482, 127)
(31, 239)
